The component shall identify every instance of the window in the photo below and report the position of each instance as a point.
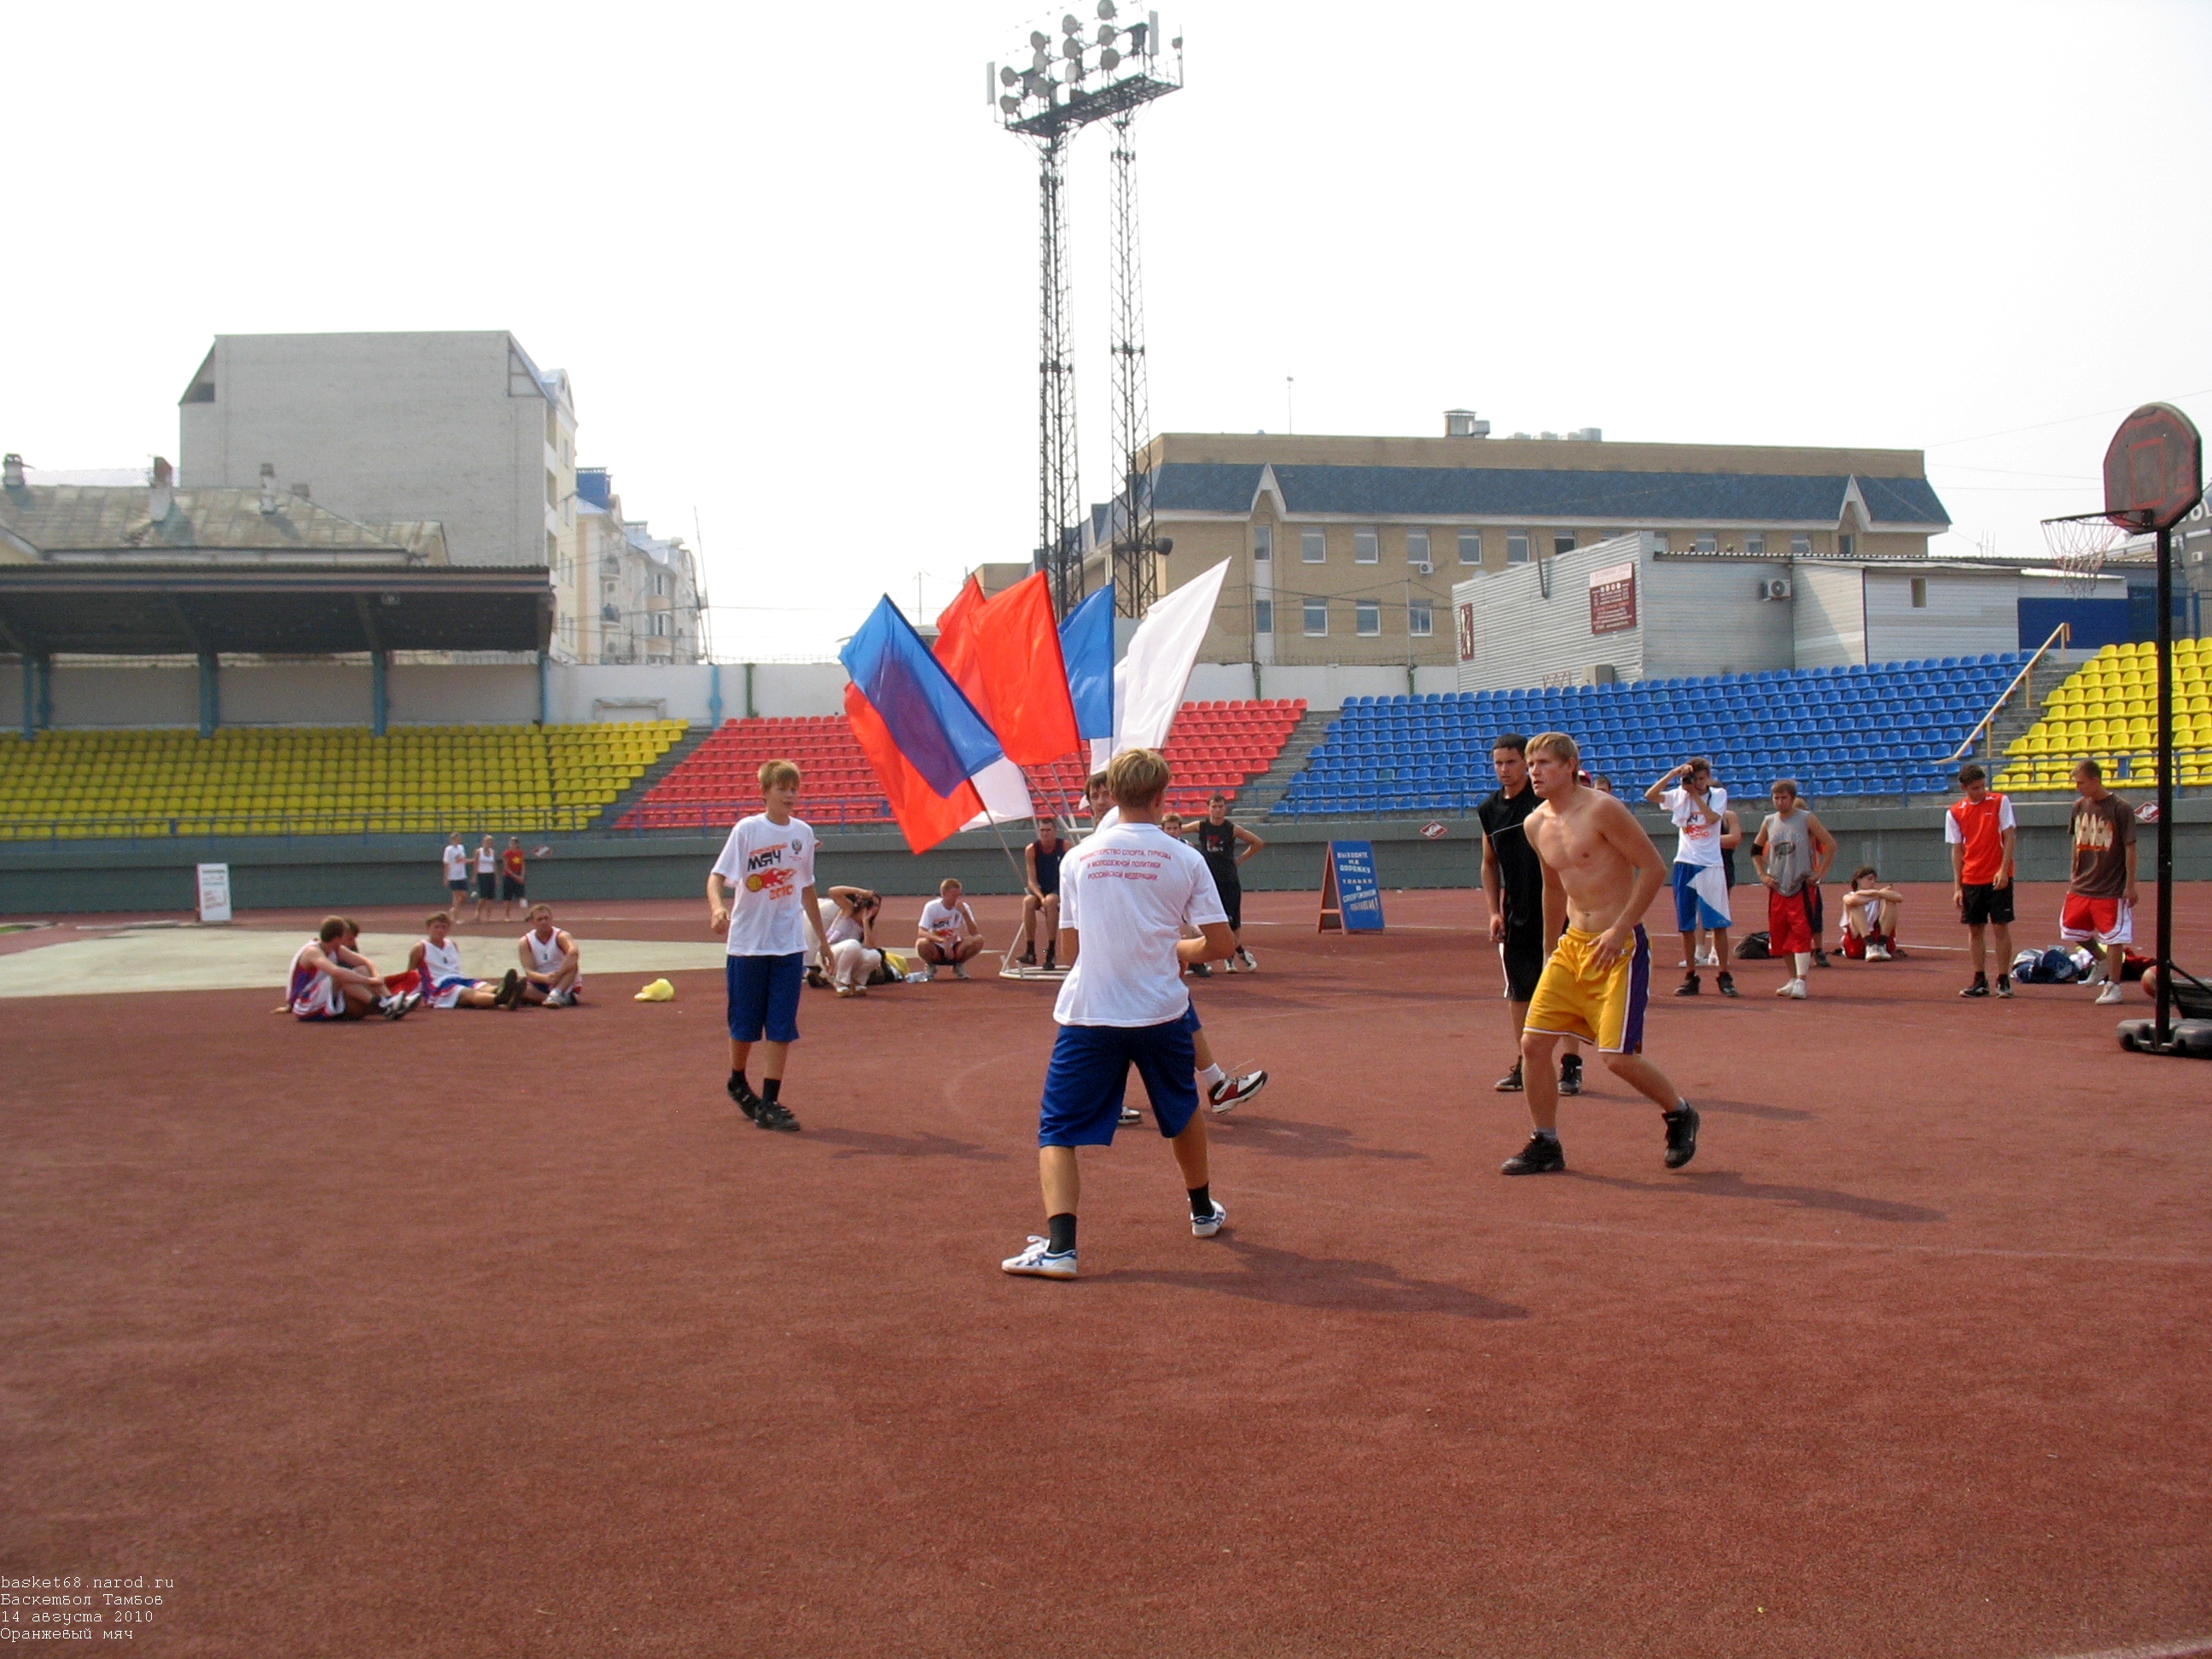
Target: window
(1563, 541)
(1263, 615)
(1846, 546)
(660, 584)
(657, 624)
(1316, 618)
(1755, 545)
(1659, 541)
(1417, 549)
(1920, 592)
(1367, 545)
(1313, 547)
(1801, 547)
(1517, 547)
(1367, 618)
(1263, 541)
(1419, 622)
(1470, 547)
(552, 490)
(1705, 544)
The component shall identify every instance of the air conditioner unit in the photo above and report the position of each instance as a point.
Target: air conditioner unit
(1425, 568)
(1774, 587)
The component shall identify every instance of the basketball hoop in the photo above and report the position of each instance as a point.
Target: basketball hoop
(2079, 546)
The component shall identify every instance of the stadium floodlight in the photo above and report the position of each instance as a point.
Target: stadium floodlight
(1105, 8)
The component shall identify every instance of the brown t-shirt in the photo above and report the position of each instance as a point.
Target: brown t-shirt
(2103, 832)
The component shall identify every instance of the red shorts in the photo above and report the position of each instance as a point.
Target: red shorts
(2106, 920)
(1853, 945)
(1788, 927)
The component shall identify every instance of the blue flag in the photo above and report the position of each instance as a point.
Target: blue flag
(928, 717)
(1086, 645)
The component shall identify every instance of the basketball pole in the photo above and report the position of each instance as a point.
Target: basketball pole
(2162, 1034)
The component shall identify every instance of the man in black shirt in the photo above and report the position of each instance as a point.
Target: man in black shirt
(1224, 845)
(1513, 885)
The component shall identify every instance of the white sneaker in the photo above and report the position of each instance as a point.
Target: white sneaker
(2112, 993)
(1251, 963)
(1038, 1262)
(842, 990)
(1207, 1229)
(1794, 988)
(1875, 953)
(1131, 1115)
(959, 970)
(557, 998)
(1708, 959)
(1233, 1091)
(1783, 989)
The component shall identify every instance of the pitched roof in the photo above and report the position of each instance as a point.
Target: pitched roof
(1687, 498)
(59, 519)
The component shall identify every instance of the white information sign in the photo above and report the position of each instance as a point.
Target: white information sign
(215, 892)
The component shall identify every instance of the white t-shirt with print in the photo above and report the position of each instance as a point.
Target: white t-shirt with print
(1698, 842)
(456, 862)
(945, 923)
(771, 865)
(1127, 891)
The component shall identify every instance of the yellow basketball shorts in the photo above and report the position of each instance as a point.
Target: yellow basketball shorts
(1601, 1005)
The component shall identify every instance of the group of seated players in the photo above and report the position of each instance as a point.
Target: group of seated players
(332, 979)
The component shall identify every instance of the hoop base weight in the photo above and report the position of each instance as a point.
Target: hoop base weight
(2189, 1037)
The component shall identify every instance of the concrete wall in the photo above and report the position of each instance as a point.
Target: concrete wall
(1967, 611)
(1828, 611)
(334, 873)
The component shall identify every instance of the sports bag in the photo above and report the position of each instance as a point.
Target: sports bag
(1754, 947)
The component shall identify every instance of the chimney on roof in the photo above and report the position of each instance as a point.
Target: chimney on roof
(1464, 424)
(11, 471)
(1588, 434)
(159, 499)
(268, 489)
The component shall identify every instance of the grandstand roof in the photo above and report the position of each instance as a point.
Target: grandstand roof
(1551, 494)
(183, 610)
(114, 522)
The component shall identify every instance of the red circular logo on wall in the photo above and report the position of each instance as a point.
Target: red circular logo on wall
(1434, 830)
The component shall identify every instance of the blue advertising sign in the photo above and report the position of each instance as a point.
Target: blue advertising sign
(1350, 898)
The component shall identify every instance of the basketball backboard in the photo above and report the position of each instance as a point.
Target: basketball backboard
(2154, 469)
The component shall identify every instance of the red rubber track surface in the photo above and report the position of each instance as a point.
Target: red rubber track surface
(506, 1334)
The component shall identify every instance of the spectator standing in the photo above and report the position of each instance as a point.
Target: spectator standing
(1513, 887)
(1792, 852)
(512, 870)
(455, 857)
(2100, 898)
(1224, 845)
(1696, 805)
(1983, 836)
(487, 877)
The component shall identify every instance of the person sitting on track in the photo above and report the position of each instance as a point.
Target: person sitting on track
(1040, 892)
(951, 936)
(1870, 911)
(435, 961)
(323, 985)
(552, 964)
(1123, 1004)
(849, 926)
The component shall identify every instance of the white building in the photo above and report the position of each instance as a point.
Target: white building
(459, 428)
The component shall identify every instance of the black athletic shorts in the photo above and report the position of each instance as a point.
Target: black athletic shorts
(1986, 903)
(510, 888)
(1232, 902)
(1522, 952)
(487, 887)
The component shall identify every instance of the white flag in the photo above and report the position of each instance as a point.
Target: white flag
(1149, 680)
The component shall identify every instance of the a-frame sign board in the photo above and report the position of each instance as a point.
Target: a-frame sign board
(1349, 899)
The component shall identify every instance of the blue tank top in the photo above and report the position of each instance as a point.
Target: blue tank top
(1047, 866)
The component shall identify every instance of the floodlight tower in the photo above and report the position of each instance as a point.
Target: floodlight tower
(1108, 76)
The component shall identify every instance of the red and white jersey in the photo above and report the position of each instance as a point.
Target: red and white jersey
(313, 993)
(443, 982)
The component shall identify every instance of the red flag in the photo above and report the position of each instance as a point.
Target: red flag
(925, 818)
(1004, 653)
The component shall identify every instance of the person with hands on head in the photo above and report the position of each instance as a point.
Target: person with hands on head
(849, 926)
(1601, 873)
(1699, 807)
(761, 898)
(1982, 837)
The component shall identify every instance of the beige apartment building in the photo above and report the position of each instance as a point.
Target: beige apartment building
(1344, 550)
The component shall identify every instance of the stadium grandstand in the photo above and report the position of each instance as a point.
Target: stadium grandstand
(1885, 729)
(2107, 710)
(1213, 746)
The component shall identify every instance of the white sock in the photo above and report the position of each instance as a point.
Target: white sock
(1802, 961)
(1211, 1075)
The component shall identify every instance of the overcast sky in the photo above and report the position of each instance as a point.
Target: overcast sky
(789, 260)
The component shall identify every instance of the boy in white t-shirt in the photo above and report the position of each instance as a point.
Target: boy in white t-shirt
(1698, 805)
(1125, 896)
(455, 858)
(768, 867)
(951, 936)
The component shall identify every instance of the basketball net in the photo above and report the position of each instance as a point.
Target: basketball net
(2080, 545)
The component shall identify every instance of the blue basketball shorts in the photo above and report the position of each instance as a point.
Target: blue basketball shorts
(764, 996)
(1090, 1073)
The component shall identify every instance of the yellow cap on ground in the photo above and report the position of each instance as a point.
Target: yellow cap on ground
(659, 991)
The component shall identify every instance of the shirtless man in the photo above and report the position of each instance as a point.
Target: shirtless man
(1601, 870)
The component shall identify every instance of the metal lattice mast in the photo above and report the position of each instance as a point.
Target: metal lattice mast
(1060, 488)
(1136, 566)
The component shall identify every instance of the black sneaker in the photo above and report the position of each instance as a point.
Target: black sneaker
(774, 1115)
(1980, 988)
(1201, 970)
(1049, 965)
(1681, 1135)
(1511, 1083)
(1820, 958)
(748, 1102)
(1688, 988)
(1726, 984)
(2004, 985)
(1028, 958)
(1543, 1155)
(510, 989)
(1570, 1074)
